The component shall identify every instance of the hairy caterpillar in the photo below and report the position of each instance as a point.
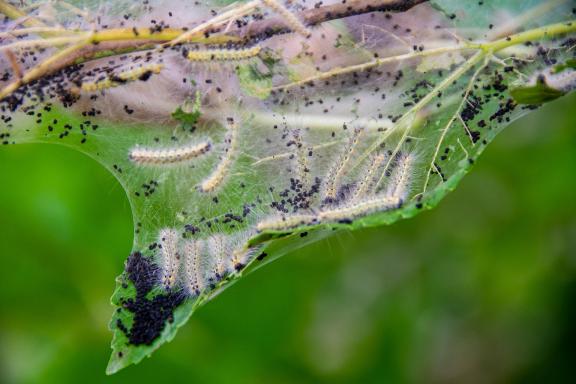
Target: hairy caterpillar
(223, 54)
(142, 73)
(303, 170)
(286, 223)
(337, 171)
(370, 179)
(240, 258)
(399, 183)
(289, 18)
(218, 250)
(193, 280)
(217, 177)
(359, 209)
(148, 156)
(563, 81)
(168, 240)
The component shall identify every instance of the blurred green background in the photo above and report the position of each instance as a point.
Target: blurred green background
(480, 290)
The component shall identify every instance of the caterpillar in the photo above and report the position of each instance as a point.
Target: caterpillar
(337, 171)
(142, 73)
(168, 240)
(240, 258)
(286, 223)
(217, 177)
(289, 18)
(563, 81)
(303, 171)
(223, 54)
(149, 156)
(370, 179)
(218, 250)
(193, 280)
(347, 213)
(399, 183)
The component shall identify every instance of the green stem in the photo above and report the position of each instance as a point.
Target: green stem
(546, 32)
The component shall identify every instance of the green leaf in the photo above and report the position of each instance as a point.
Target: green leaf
(253, 82)
(278, 150)
(192, 113)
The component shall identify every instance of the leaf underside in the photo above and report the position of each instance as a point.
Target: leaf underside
(231, 162)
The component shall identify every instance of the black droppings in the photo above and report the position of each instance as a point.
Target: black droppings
(150, 314)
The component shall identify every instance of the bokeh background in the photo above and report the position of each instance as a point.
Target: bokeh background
(480, 290)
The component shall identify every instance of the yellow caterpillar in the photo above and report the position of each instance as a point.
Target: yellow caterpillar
(111, 81)
(217, 177)
(207, 55)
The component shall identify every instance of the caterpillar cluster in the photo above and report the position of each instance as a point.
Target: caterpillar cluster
(362, 195)
(195, 266)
